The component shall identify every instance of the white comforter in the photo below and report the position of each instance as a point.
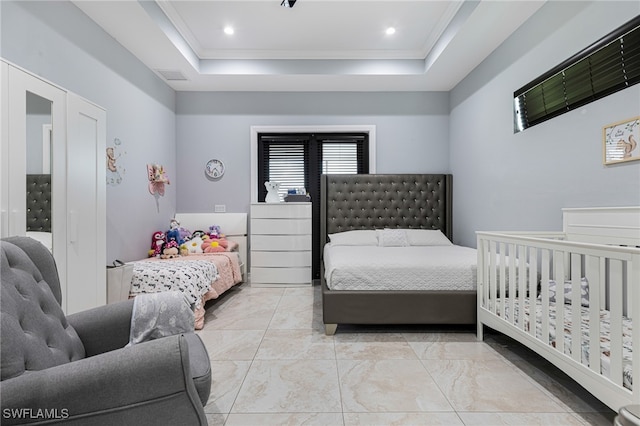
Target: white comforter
(400, 268)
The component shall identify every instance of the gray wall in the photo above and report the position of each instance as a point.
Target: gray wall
(60, 43)
(411, 128)
(506, 181)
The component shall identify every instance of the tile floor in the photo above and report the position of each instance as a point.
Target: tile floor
(273, 365)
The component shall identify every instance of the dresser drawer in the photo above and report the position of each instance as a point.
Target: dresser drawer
(280, 242)
(280, 275)
(280, 210)
(281, 226)
(281, 259)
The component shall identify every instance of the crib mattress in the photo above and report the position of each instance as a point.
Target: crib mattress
(605, 342)
(192, 277)
(400, 268)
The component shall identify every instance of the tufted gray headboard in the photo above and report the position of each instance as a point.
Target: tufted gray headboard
(39, 202)
(352, 202)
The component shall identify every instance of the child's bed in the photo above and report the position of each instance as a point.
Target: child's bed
(596, 260)
(374, 202)
(200, 277)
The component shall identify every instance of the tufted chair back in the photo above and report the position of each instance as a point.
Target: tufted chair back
(35, 332)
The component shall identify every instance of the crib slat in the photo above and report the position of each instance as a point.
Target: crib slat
(503, 279)
(615, 302)
(493, 287)
(576, 307)
(544, 299)
(532, 289)
(558, 275)
(633, 283)
(482, 252)
(512, 282)
(522, 284)
(594, 272)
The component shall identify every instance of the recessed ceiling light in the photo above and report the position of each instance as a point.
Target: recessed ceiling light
(390, 31)
(228, 30)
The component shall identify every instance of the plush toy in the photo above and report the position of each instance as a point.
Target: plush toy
(272, 192)
(195, 243)
(212, 246)
(170, 250)
(184, 250)
(174, 234)
(185, 234)
(215, 232)
(157, 241)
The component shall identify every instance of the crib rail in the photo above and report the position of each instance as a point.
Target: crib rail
(516, 276)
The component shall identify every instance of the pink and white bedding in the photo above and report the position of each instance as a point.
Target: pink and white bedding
(371, 267)
(191, 269)
(605, 326)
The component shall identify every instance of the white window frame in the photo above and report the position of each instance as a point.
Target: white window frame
(255, 130)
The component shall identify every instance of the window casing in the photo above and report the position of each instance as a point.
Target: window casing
(297, 160)
(607, 66)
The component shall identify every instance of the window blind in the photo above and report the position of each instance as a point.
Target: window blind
(607, 66)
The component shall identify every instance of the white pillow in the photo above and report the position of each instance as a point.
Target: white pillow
(392, 238)
(364, 237)
(427, 237)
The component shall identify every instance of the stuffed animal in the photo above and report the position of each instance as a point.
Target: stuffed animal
(215, 232)
(195, 243)
(174, 234)
(184, 250)
(185, 234)
(170, 250)
(157, 241)
(212, 246)
(272, 192)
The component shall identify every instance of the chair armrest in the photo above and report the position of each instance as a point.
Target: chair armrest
(149, 383)
(104, 328)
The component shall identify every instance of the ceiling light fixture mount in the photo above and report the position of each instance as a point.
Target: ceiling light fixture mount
(288, 3)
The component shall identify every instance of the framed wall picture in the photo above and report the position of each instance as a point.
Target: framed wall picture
(621, 141)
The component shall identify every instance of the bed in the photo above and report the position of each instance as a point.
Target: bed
(39, 208)
(552, 291)
(200, 277)
(393, 201)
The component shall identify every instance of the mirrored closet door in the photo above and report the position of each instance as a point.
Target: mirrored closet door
(52, 181)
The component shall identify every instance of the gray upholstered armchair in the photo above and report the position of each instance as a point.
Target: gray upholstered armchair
(76, 369)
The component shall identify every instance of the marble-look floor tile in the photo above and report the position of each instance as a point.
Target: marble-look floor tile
(247, 316)
(290, 386)
(282, 419)
(223, 345)
(216, 419)
(519, 419)
(440, 337)
(488, 385)
(226, 379)
(454, 350)
(597, 419)
(296, 344)
(560, 387)
(298, 312)
(402, 419)
(397, 385)
(373, 346)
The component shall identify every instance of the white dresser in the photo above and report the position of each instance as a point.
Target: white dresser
(280, 244)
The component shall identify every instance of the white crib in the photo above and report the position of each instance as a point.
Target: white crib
(597, 251)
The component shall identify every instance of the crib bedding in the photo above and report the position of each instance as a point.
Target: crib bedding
(191, 277)
(605, 343)
(400, 268)
(228, 274)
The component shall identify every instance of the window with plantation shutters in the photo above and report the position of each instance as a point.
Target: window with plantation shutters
(298, 161)
(609, 65)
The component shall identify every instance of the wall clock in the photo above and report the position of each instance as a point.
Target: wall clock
(214, 168)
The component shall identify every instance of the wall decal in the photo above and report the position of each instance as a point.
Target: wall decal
(115, 169)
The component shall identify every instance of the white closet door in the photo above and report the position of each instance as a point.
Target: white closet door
(4, 149)
(86, 205)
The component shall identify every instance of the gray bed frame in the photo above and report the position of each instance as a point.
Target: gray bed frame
(418, 201)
